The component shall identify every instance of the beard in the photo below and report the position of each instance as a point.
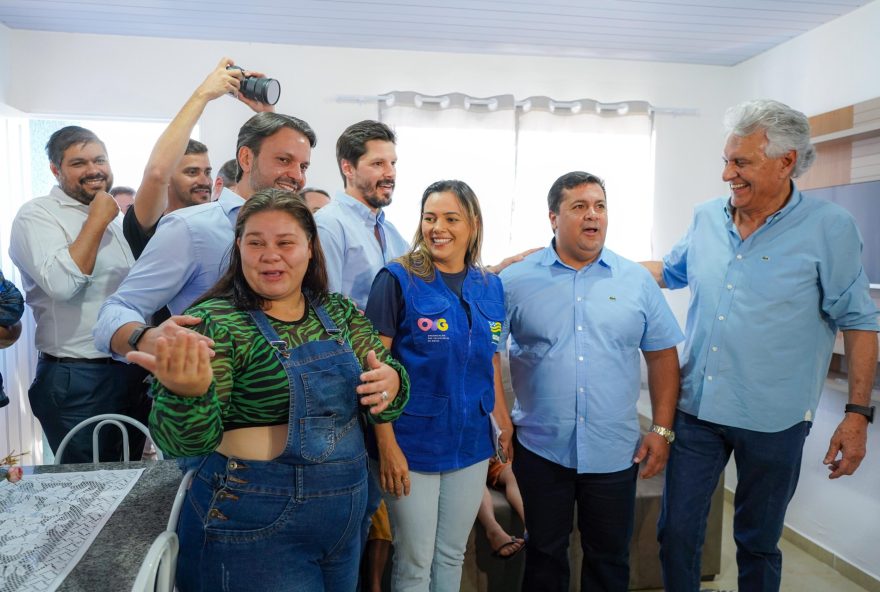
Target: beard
(77, 190)
(371, 194)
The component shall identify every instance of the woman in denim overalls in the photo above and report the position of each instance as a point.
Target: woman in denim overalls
(278, 502)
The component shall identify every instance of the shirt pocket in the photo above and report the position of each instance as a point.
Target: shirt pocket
(781, 278)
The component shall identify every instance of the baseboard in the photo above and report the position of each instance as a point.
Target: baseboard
(820, 553)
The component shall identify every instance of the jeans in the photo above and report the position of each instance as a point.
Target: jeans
(767, 467)
(238, 513)
(64, 394)
(430, 528)
(606, 507)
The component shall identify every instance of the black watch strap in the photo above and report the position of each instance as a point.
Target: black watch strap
(136, 336)
(861, 410)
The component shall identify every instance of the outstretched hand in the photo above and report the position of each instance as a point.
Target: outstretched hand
(379, 384)
(182, 364)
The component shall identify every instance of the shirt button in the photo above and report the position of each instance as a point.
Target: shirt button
(730, 286)
(709, 378)
(581, 419)
(581, 389)
(720, 317)
(579, 298)
(580, 358)
(739, 256)
(580, 328)
(714, 348)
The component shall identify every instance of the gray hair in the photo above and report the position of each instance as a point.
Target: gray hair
(786, 129)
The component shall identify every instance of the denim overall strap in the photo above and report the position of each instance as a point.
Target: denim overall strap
(322, 376)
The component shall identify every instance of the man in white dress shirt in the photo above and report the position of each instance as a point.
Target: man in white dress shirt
(72, 255)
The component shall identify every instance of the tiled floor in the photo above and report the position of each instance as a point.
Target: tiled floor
(801, 572)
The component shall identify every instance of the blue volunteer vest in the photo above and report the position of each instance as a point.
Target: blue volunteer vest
(445, 425)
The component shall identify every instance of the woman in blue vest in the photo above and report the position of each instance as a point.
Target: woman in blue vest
(440, 313)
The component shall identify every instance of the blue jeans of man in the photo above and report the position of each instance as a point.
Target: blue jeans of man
(605, 514)
(767, 468)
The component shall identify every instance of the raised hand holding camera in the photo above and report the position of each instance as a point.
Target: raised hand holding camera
(256, 87)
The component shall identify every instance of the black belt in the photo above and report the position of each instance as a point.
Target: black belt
(51, 358)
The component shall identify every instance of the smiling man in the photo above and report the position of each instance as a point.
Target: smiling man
(189, 250)
(357, 239)
(773, 275)
(71, 253)
(577, 316)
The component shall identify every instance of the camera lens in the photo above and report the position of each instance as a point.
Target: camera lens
(265, 90)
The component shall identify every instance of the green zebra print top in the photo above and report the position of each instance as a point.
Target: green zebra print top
(250, 386)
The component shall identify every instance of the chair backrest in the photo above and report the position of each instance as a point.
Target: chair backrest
(102, 420)
(158, 568)
(178, 500)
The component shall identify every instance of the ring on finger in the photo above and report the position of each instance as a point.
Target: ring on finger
(384, 396)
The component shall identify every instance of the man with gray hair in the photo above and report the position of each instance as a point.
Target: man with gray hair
(773, 276)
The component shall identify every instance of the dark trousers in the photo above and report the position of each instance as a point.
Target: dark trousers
(767, 467)
(64, 394)
(605, 509)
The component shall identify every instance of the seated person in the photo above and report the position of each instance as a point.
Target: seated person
(500, 477)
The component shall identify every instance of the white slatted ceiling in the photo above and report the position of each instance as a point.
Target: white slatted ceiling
(715, 32)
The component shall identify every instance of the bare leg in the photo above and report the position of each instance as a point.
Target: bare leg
(497, 536)
(378, 551)
(511, 492)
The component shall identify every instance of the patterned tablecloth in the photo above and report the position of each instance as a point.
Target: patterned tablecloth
(48, 522)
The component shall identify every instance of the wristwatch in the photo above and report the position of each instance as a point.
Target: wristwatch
(137, 334)
(667, 434)
(861, 410)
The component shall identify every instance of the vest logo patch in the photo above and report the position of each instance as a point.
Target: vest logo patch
(495, 328)
(435, 328)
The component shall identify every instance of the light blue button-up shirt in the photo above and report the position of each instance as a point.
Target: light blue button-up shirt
(764, 311)
(351, 251)
(575, 337)
(186, 257)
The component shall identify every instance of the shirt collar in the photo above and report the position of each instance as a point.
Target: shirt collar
(230, 200)
(65, 200)
(360, 209)
(607, 258)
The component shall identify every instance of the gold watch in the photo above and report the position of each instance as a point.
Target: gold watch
(667, 434)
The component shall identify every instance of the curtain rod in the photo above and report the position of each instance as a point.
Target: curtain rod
(439, 102)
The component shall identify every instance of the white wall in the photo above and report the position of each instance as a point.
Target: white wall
(141, 77)
(830, 67)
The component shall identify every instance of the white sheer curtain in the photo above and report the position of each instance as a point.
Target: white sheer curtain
(510, 157)
(616, 148)
(18, 429)
(477, 148)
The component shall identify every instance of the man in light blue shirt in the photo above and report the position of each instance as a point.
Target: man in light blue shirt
(188, 253)
(773, 275)
(577, 316)
(356, 238)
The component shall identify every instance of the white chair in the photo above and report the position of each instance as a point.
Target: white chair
(105, 419)
(178, 500)
(158, 568)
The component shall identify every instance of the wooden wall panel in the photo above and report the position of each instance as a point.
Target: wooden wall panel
(865, 160)
(833, 166)
(833, 121)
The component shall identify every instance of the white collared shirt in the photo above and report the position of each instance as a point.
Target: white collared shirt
(64, 300)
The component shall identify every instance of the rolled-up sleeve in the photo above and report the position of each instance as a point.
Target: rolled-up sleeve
(39, 247)
(161, 272)
(845, 289)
